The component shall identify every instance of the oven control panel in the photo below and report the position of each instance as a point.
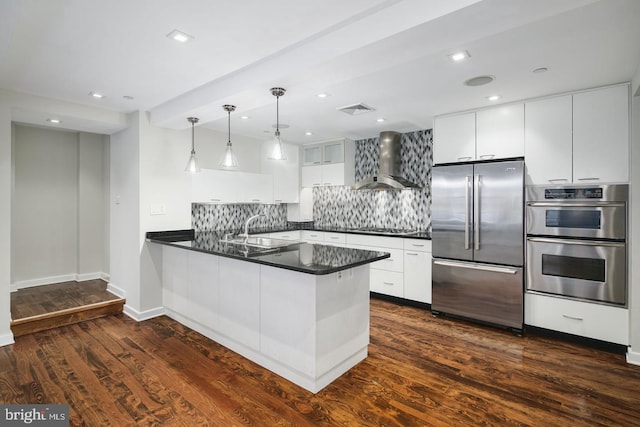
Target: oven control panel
(573, 193)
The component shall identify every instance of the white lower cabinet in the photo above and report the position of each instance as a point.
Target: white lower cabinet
(386, 282)
(406, 273)
(580, 318)
(417, 270)
(286, 235)
(312, 236)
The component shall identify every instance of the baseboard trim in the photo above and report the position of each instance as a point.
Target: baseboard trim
(633, 357)
(43, 281)
(139, 316)
(57, 279)
(116, 290)
(6, 339)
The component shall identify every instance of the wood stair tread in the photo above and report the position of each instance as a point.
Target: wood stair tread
(67, 316)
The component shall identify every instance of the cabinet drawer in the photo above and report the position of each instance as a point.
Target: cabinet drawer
(585, 319)
(312, 236)
(337, 239)
(386, 282)
(394, 263)
(286, 235)
(419, 245)
(379, 241)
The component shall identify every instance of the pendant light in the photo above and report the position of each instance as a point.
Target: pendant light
(192, 164)
(229, 160)
(277, 152)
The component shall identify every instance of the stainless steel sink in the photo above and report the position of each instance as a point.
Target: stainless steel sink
(259, 242)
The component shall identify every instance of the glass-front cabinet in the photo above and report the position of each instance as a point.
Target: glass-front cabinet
(333, 152)
(312, 155)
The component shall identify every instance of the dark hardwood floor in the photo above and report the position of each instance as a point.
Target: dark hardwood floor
(49, 306)
(421, 371)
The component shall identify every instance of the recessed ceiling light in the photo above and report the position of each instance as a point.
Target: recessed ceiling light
(493, 97)
(96, 95)
(179, 36)
(54, 121)
(540, 70)
(308, 133)
(245, 117)
(380, 120)
(459, 56)
(479, 81)
(322, 95)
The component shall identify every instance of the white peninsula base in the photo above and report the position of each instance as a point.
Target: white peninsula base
(309, 329)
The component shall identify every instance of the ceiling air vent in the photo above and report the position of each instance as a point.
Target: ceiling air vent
(355, 109)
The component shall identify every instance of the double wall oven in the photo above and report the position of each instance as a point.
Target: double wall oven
(577, 242)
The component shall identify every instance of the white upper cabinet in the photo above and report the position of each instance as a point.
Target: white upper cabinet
(581, 138)
(455, 138)
(495, 133)
(548, 141)
(286, 173)
(221, 186)
(601, 135)
(329, 163)
(312, 155)
(333, 152)
(500, 132)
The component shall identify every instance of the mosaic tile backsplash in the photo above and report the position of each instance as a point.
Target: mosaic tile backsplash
(212, 217)
(344, 207)
(406, 209)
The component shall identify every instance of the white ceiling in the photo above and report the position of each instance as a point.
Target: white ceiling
(389, 54)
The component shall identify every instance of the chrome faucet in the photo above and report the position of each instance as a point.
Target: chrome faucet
(246, 226)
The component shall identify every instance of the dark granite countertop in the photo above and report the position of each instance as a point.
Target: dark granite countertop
(303, 257)
(425, 235)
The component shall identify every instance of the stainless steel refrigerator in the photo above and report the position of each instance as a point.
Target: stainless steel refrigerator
(477, 216)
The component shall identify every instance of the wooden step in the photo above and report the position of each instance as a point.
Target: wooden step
(65, 317)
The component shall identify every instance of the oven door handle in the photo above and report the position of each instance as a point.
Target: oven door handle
(576, 205)
(481, 267)
(577, 242)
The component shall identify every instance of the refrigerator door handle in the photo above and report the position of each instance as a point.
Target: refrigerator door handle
(482, 267)
(467, 182)
(476, 213)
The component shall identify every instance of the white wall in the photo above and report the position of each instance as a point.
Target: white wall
(634, 235)
(90, 206)
(124, 207)
(57, 207)
(106, 197)
(44, 229)
(6, 337)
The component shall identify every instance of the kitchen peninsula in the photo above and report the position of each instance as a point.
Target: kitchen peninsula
(300, 310)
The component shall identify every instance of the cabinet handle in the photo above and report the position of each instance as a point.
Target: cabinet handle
(333, 237)
(559, 180)
(417, 246)
(255, 200)
(388, 259)
(464, 158)
(327, 161)
(215, 200)
(572, 317)
(326, 184)
(278, 200)
(316, 184)
(388, 283)
(589, 179)
(411, 253)
(316, 163)
(487, 156)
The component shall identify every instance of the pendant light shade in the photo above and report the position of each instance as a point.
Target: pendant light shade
(192, 164)
(229, 160)
(277, 151)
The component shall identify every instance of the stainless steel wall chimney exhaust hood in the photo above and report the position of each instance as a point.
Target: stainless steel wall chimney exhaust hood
(389, 176)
